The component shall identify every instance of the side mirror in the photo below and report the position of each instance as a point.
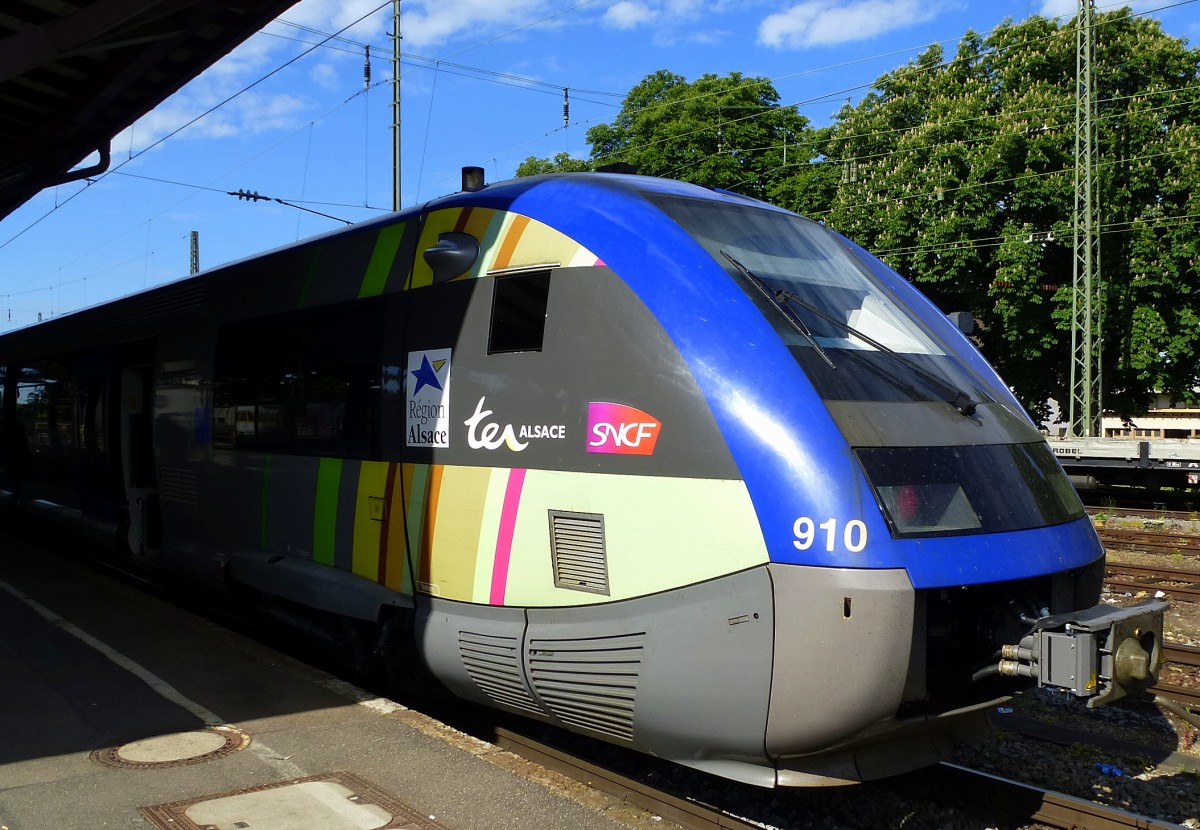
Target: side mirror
(453, 256)
(964, 321)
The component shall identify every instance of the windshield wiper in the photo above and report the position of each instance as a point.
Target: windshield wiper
(783, 299)
(778, 300)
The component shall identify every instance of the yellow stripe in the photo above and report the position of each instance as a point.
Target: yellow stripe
(478, 222)
(398, 577)
(456, 533)
(436, 224)
(368, 518)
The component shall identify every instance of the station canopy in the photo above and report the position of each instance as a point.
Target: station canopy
(75, 74)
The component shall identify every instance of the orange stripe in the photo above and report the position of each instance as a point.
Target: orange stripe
(461, 224)
(509, 246)
(435, 490)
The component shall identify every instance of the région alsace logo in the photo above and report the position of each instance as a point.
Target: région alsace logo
(622, 430)
(427, 413)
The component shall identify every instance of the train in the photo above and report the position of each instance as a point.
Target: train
(656, 463)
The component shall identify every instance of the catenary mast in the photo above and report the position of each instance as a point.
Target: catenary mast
(1087, 303)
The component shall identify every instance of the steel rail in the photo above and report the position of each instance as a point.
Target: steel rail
(1146, 577)
(1026, 801)
(1181, 654)
(1014, 799)
(688, 814)
(1153, 541)
(1153, 513)
(1186, 695)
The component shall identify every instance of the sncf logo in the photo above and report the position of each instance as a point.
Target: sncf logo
(620, 429)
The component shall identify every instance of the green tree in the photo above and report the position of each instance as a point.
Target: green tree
(561, 163)
(727, 132)
(960, 173)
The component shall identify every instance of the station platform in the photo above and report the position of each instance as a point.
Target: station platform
(118, 710)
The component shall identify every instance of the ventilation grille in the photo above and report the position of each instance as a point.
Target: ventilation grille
(493, 663)
(178, 484)
(589, 683)
(577, 547)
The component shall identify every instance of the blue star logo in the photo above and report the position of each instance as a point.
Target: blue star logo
(426, 375)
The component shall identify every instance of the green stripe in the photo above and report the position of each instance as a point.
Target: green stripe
(329, 481)
(265, 493)
(382, 258)
(308, 278)
(491, 236)
(415, 517)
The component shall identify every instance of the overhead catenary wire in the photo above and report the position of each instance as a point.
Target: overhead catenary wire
(558, 88)
(192, 121)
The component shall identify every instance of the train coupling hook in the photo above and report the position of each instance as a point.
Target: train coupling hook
(1102, 653)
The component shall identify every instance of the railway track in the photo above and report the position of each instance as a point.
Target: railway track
(1181, 584)
(1180, 655)
(1057, 810)
(1150, 541)
(1152, 514)
(1011, 800)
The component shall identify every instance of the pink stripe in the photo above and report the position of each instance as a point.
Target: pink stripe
(508, 523)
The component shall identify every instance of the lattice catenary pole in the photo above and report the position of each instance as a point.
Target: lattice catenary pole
(1087, 305)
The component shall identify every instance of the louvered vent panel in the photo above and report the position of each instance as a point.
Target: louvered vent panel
(589, 683)
(178, 484)
(493, 663)
(577, 547)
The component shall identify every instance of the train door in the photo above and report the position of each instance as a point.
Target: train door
(137, 460)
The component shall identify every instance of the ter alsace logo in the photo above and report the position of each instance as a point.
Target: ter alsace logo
(621, 430)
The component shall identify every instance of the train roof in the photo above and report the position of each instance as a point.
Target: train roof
(586, 196)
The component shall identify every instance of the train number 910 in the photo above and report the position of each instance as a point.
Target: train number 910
(807, 532)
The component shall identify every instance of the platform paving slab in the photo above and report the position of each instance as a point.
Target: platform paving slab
(129, 736)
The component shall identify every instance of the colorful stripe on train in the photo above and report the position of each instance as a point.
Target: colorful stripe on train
(482, 534)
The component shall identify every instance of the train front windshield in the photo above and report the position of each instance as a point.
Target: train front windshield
(858, 343)
(848, 332)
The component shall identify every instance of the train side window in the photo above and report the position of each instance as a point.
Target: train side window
(45, 410)
(519, 312)
(305, 383)
(91, 418)
(32, 404)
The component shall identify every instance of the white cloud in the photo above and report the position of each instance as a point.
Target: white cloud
(1066, 9)
(674, 21)
(627, 15)
(263, 113)
(435, 22)
(830, 22)
(248, 114)
(326, 76)
(332, 15)
(1059, 8)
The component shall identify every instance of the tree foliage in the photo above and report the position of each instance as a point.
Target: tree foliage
(960, 173)
(561, 163)
(725, 132)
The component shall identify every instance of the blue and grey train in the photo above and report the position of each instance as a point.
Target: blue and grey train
(662, 465)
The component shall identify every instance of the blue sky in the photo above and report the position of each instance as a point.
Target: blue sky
(482, 84)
